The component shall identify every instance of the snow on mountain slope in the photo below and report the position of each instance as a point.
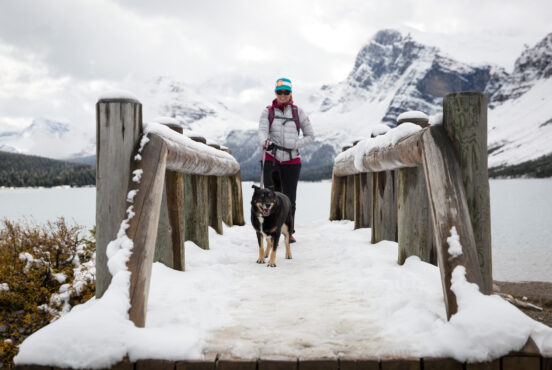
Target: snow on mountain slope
(521, 130)
(195, 112)
(46, 138)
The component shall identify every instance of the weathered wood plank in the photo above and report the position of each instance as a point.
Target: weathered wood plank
(154, 364)
(547, 363)
(237, 200)
(384, 206)
(142, 228)
(118, 129)
(493, 365)
(163, 248)
(521, 362)
(232, 364)
(215, 203)
(448, 209)
(410, 363)
(442, 364)
(196, 158)
(337, 198)
(405, 153)
(355, 364)
(349, 198)
(277, 364)
(169, 247)
(363, 200)
(123, 365)
(195, 365)
(196, 215)
(226, 195)
(317, 364)
(415, 235)
(175, 207)
(465, 121)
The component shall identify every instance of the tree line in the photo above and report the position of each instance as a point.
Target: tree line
(20, 170)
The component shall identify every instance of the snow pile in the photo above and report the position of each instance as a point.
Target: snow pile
(118, 94)
(363, 147)
(181, 139)
(413, 114)
(455, 248)
(4, 287)
(354, 300)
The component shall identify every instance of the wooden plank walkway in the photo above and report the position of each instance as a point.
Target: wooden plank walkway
(515, 361)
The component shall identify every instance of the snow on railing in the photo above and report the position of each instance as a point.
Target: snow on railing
(417, 182)
(155, 188)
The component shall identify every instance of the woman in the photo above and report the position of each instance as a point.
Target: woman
(279, 133)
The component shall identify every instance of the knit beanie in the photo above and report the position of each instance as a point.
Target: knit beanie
(283, 84)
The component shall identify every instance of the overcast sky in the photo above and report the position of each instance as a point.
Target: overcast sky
(56, 57)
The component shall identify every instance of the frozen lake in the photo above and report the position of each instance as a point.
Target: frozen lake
(521, 218)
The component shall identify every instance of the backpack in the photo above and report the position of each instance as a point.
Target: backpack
(294, 114)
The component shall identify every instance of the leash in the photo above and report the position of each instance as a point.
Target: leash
(262, 166)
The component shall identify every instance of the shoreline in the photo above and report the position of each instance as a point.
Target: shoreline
(538, 293)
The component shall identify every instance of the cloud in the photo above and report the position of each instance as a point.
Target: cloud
(57, 57)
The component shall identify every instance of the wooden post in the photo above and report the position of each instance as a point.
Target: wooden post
(237, 199)
(215, 200)
(363, 200)
(415, 233)
(350, 198)
(118, 129)
(415, 236)
(169, 247)
(465, 121)
(142, 228)
(226, 196)
(384, 205)
(196, 210)
(448, 208)
(348, 208)
(337, 196)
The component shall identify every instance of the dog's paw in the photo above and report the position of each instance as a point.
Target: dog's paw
(288, 256)
(261, 260)
(271, 265)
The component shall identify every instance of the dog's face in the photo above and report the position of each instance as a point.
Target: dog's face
(263, 200)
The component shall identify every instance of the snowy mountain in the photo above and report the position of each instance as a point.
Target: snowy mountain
(520, 121)
(46, 138)
(392, 73)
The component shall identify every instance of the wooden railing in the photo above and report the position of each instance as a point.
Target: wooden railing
(177, 187)
(419, 188)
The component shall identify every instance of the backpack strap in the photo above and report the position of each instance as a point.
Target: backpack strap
(270, 116)
(294, 114)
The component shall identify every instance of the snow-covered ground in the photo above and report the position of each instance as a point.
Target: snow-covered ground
(339, 295)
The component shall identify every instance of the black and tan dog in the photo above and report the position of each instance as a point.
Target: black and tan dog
(271, 216)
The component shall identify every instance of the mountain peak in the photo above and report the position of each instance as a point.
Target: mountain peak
(42, 125)
(532, 65)
(387, 37)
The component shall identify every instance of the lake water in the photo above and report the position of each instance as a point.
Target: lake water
(521, 218)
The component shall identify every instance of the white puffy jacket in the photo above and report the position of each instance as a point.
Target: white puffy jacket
(285, 135)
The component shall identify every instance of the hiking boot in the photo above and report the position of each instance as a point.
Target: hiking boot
(292, 239)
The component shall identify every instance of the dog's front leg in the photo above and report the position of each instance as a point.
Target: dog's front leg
(260, 238)
(268, 246)
(275, 238)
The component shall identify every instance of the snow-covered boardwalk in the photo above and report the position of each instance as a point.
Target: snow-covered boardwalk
(339, 296)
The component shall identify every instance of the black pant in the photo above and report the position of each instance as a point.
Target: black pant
(284, 177)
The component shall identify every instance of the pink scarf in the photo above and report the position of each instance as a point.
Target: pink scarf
(275, 104)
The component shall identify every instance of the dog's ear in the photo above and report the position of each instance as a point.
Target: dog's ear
(271, 187)
(256, 188)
